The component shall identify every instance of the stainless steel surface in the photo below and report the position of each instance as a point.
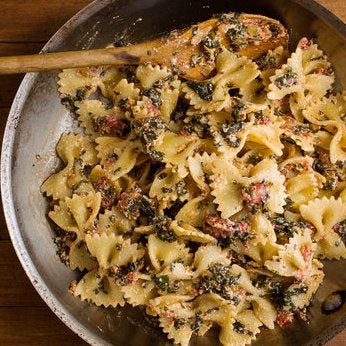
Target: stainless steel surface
(37, 120)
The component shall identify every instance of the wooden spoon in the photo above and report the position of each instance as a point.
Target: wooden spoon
(191, 51)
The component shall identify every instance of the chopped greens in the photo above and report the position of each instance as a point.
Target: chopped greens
(219, 280)
(161, 282)
(203, 89)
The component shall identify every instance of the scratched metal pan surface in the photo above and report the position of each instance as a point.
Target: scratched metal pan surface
(37, 119)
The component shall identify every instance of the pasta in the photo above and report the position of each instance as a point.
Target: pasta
(209, 203)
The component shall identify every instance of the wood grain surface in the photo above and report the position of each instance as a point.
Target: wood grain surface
(24, 318)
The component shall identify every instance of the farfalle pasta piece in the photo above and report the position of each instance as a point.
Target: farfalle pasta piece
(228, 136)
(109, 148)
(148, 74)
(263, 230)
(322, 139)
(140, 292)
(125, 94)
(112, 250)
(175, 150)
(178, 271)
(118, 156)
(188, 232)
(338, 143)
(181, 321)
(266, 185)
(296, 258)
(162, 253)
(250, 158)
(266, 135)
(242, 331)
(305, 77)
(84, 210)
(296, 164)
(216, 309)
(161, 87)
(325, 109)
(329, 113)
(298, 132)
(306, 290)
(77, 152)
(264, 311)
(87, 111)
(110, 190)
(233, 72)
(181, 335)
(96, 287)
(225, 187)
(76, 83)
(262, 252)
(231, 138)
(101, 119)
(196, 166)
(268, 63)
(244, 280)
(254, 92)
(323, 213)
(212, 94)
(331, 247)
(167, 187)
(145, 108)
(172, 302)
(72, 217)
(115, 221)
(79, 256)
(208, 255)
(194, 211)
(169, 97)
(62, 216)
(302, 188)
(72, 146)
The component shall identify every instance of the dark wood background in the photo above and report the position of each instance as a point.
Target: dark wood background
(25, 26)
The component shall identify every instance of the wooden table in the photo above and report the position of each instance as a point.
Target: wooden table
(24, 318)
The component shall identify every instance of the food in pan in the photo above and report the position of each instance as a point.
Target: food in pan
(207, 202)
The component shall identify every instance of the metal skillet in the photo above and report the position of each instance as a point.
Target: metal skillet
(37, 120)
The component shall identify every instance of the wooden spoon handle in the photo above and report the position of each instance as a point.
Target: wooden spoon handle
(130, 55)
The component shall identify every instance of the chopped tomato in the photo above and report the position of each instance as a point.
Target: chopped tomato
(306, 165)
(152, 109)
(310, 226)
(323, 157)
(108, 193)
(94, 70)
(302, 315)
(306, 252)
(73, 286)
(305, 44)
(321, 70)
(107, 125)
(224, 227)
(168, 314)
(255, 194)
(114, 269)
(184, 132)
(283, 317)
(131, 278)
(263, 120)
(128, 203)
